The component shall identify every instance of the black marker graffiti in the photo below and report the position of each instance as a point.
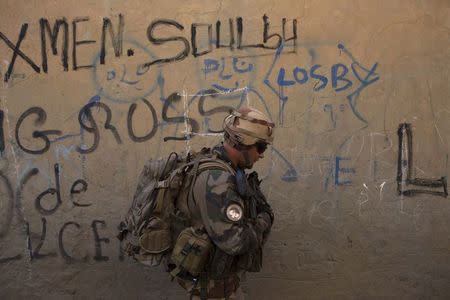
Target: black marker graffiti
(51, 191)
(86, 115)
(36, 252)
(16, 51)
(75, 190)
(75, 43)
(98, 247)
(13, 203)
(79, 186)
(231, 35)
(240, 29)
(268, 41)
(405, 169)
(45, 27)
(116, 40)
(267, 36)
(148, 136)
(29, 246)
(281, 38)
(42, 117)
(18, 208)
(175, 97)
(194, 26)
(69, 259)
(159, 41)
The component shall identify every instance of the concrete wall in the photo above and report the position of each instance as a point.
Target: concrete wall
(354, 219)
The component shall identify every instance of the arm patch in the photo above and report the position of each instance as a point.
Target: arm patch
(234, 212)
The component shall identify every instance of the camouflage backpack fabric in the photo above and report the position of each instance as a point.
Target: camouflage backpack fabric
(152, 225)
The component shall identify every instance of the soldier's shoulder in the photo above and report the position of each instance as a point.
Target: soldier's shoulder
(219, 173)
(217, 176)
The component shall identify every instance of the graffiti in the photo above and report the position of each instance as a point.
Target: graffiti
(341, 79)
(370, 196)
(148, 136)
(45, 28)
(98, 240)
(42, 117)
(87, 123)
(74, 190)
(175, 97)
(13, 205)
(405, 176)
(116, 39)
(291, 174)
(62, 250)
(219, 90)
(86, 115)
(64, 239)
(334, 169)
(338, 170)
(36, 252)
(159, 41)
(130, 81)
(51, 191)
(63, 235)
(17, 52)
(369, 78)
(77, 42)
(240, 66)
(236, 40)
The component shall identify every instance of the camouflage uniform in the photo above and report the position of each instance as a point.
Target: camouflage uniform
(237, 244)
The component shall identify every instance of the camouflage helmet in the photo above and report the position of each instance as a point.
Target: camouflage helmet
(248, 126)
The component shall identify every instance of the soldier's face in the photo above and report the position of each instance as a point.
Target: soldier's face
(252, 155)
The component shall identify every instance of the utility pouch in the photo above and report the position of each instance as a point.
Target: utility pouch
(191, 252)
(155, 238)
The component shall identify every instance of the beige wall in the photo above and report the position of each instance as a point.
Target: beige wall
(357, 70)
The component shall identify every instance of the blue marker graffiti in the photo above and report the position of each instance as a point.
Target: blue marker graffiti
(338, 170)
(127, 82)
(339, 78)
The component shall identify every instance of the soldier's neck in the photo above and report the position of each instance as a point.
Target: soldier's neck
(233, 154)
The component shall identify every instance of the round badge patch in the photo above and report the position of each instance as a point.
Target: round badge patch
(234, 212)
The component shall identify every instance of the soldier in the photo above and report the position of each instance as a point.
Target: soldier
(231, 209)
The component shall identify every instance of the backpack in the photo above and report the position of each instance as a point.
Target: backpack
(152, 224)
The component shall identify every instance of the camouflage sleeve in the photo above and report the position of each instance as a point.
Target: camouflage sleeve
(214, 192)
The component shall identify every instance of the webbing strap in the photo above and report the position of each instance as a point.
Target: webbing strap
(203, 286)
(163, 184)
(175, 271)
(225, 288)
(195, 169)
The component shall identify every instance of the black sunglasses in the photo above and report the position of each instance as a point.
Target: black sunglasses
(261, 147)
